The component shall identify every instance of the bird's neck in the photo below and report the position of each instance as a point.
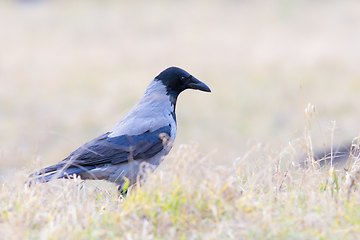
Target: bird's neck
(173, 101)
(159, 97)
(157, 91)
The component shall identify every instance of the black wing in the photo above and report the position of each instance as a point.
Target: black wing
(115, 150)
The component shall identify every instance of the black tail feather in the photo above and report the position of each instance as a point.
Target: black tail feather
(53, 172)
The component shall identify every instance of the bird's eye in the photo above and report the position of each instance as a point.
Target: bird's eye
(183, 79)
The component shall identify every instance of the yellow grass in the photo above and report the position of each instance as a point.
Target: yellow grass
(69, 71)
(263, 196)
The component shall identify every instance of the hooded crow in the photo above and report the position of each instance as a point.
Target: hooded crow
(140, 141)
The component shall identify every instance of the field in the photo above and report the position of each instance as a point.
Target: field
(285, 83)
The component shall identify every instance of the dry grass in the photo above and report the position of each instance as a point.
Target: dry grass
(70, 71)
(263, 196)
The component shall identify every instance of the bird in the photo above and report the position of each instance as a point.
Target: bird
(137, 144)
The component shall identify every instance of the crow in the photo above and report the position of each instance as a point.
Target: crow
(138, 143)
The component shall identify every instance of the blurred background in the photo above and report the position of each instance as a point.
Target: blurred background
(70, 70)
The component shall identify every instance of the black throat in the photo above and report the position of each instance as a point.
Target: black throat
(173, 103)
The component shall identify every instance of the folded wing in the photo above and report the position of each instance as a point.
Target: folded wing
(109, 150)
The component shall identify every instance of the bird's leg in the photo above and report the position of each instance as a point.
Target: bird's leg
(123, 188)
(122, 192)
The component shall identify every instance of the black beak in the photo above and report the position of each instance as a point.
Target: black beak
(196, 84)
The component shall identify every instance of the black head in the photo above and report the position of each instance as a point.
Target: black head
(177, 80)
